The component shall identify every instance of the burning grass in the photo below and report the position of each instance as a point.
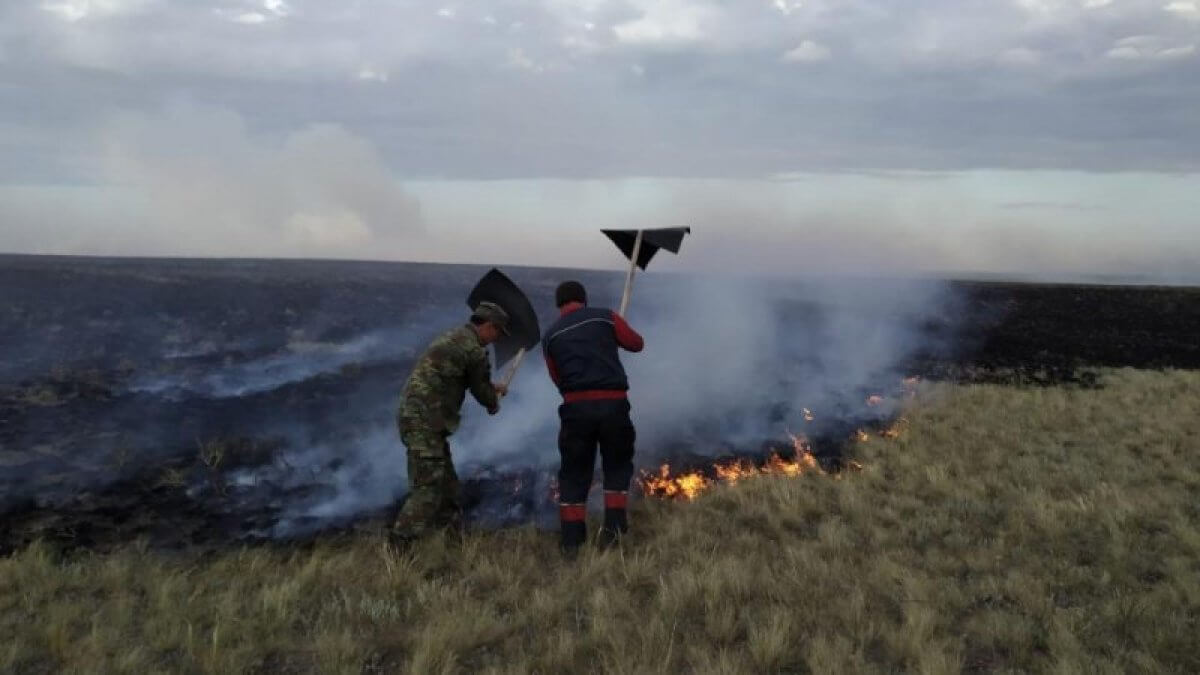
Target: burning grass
(666, 482)
(687, 485)
(1004, 529)
(663, 483)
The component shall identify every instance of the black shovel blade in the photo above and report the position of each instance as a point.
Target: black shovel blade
(669, 238)
(523, 329)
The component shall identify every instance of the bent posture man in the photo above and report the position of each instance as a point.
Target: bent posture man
(453, 363)
(581, 355)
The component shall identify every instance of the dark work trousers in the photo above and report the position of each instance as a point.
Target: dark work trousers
(586, 426)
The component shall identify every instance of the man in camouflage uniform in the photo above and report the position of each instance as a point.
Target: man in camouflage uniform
(455, 362)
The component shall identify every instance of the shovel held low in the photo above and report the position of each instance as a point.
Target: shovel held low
(512, 371)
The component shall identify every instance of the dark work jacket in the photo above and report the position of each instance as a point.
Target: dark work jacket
(581, 352)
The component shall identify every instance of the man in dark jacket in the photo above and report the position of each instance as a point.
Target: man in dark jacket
(581, 356)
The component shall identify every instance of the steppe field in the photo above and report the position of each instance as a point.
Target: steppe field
(186, 489)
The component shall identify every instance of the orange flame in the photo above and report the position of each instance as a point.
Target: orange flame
(684, 486)
(688, 486)
(874, 400)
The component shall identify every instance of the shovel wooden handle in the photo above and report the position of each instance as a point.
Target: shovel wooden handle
(508, 377)
(637, 251)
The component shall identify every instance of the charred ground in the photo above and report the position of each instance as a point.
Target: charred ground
(1059, 333)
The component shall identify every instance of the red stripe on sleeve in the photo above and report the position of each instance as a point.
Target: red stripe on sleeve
(627, 337)
(552, 368)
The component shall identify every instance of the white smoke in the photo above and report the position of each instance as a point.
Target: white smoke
(372, 476)
(728, 361)
(722, 364)
(200, 180)
(298, 362)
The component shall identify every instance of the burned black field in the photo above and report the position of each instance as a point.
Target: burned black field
(201, 403)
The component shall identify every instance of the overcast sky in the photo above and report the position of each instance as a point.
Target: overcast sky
(1050, 136)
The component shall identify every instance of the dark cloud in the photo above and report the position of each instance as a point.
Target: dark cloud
(285, 127)
(611, 88)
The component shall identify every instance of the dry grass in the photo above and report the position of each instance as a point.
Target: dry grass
(1048, 530)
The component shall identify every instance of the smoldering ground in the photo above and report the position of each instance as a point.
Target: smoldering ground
(274, 407)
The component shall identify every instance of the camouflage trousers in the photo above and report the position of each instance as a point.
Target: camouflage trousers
(433, 499)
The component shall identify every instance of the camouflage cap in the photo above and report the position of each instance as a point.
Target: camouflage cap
(490, 311)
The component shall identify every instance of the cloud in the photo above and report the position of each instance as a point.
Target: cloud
(78, 10)
(277, 7)
(254, 12)
(1039, 223)
(1049, 224)
(517, 58)
(320, 117)
(1149, 47)
(197, 180)
(369, 74)
(1020, 56)
(807, 52)
(1061, 6)
(1049, 206)
(174, 35)
(786, 7)
(247, 18)
(665, 23)
(668, 88)
(204, 173)
(1187, 9)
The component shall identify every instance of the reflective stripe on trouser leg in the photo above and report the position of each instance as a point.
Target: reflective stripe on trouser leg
(570, 513)
(572, 519)
(615, 518)
(616, 499)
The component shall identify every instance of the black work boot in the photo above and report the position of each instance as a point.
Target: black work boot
(616, 524)
(574, 534)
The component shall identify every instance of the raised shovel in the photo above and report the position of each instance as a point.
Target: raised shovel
(523, 330)
(640, 246)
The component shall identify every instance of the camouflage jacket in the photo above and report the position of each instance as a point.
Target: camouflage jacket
(453, 363)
